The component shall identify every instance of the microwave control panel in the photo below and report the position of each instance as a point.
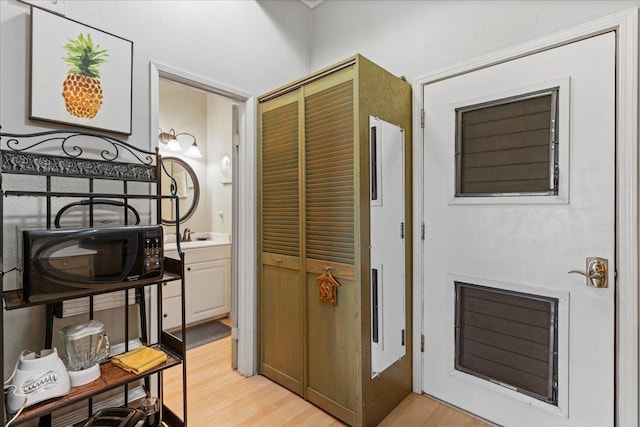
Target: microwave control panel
(153, 254)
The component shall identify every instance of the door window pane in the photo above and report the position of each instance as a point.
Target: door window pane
(508, 338)
(508, 146)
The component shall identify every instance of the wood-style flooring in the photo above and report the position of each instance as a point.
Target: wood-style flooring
(219, 396)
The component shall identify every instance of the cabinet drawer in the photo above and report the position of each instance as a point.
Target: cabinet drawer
(171, 312)
(209, 253)
(171, 289)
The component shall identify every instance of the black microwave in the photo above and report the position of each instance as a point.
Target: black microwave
(61, 263)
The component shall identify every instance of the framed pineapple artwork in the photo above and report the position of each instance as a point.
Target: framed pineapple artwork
(80, 75)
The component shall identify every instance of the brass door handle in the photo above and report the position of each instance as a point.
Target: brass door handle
(596, 274)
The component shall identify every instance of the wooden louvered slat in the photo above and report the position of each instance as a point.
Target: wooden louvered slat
(285, 193)
(329, 180)
(280, 181)
(280, 162)
(334, 248)
(329, 130)
(283, 227)
(505, 148)
(333, 228)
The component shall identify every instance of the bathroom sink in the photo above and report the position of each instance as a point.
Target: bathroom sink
(201, 240)
(193, 244)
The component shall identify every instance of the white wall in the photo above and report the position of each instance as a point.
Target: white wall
(185, 110)
(208, 117)
(220, 143)
(413, 38)
(249, 45)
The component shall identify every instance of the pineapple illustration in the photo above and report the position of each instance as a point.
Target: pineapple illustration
(82, 90)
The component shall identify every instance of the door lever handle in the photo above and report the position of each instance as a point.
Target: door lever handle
(596, 273)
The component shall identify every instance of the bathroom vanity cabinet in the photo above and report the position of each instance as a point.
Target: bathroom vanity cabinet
(207, 286)
(318, 163)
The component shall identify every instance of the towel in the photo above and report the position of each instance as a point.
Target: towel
(139, 360)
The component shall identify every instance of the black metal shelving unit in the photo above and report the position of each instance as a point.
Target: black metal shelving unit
(91, 157)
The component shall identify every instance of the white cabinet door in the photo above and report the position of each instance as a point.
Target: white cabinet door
(171, 289)
(208, 289)
(171, 304)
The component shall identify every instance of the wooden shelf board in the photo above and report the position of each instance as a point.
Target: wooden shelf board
(14, 299)
(111, 377)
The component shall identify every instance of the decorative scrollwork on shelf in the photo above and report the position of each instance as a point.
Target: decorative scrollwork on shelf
(174, 185)
(71, 147)
(36, 164)
(21, 156)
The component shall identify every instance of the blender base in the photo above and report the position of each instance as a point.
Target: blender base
(84, 376)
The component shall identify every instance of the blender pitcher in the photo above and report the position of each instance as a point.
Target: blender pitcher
(85, 346)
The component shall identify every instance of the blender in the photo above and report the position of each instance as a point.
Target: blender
(85, 346)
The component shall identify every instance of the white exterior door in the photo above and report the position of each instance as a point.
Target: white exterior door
(526, 244)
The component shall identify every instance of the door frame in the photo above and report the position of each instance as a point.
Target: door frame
(243, 275)
(625, 24)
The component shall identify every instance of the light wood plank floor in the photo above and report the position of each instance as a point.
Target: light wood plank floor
(219, 396)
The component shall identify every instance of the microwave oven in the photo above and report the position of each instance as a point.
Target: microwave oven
(60, 263)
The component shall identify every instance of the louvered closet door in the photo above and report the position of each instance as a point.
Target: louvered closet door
(333, 340)
(281, 297)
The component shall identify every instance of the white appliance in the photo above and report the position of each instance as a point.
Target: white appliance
(36, 377)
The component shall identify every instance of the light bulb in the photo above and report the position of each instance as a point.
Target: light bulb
(194, 151)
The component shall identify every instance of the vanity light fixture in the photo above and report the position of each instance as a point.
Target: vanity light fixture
(171, 139)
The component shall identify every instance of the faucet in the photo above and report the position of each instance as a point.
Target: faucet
(186, 236)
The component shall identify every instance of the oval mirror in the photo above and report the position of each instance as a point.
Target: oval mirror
(187, 190)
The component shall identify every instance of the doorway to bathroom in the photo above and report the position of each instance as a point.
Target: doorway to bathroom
(189, 112)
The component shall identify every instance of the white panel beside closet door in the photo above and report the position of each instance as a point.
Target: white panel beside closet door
(387, 245)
